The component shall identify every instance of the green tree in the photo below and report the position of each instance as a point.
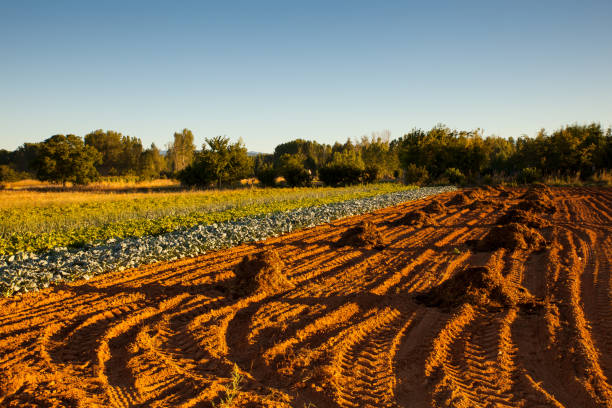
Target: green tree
(152, 163)
(181, 151)
(378, 155)
(264, 169)
(120, 154)
(130, 155)
(345, 168)
(414, 174)
(109, 144)
(66, 158)
(220, 162)
(312, 153)
(499, 153)
(5, 157)
(7, 173)
(25, 158)
(293, 169)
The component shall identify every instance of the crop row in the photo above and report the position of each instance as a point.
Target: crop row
(39, 228)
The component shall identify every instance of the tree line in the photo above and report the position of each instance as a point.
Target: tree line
(439, 155)
(81, 160)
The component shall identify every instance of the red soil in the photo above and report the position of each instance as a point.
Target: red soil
(364, 235)
(459, 199)
(480, 286)
(260, 273)
(416, 218)
(511, 236)
(343, 327)
(434, 207)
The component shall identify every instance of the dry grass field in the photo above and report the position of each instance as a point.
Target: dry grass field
(483, 298)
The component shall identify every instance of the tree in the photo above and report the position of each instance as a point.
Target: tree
(293, 170)
(152, 163)
(120, 154)
(220, 162)
(378, 154)
(181, 151)
(414, 174)
(345, 168)
(7, 173)
(5, 157)
(66, 158)
(442, 148)
(264, 169)
(24, 159)
(130, 155)
(312, 154)
(110, 147)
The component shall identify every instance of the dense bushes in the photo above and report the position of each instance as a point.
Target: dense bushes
(345, 168)
(454, 176)
(414, 174)
(7, 173)
(266, 174)
(293, 169)
(460, 156)
(528, 175)
(218, 163)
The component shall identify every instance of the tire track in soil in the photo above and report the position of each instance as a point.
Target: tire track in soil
(350, 334)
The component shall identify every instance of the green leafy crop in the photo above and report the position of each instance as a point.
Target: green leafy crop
(37, 228)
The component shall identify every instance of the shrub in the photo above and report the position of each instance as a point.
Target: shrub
(528, 175)
(340, 175)
(414, 174)
(7, 173)
(454, 176)
(370, 174)
(266, 175)
(344, 169)
(294, 172)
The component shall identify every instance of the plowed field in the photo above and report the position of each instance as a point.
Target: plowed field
(349, 324)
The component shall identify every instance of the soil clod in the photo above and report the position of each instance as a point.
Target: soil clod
(538, 199)
(261, 272)
(543, 206)
(480, 286)
(482, 204)
(416, 218)
(434, 207)
(511, 236)
(364, 235)
(518, 216)
(459, 199)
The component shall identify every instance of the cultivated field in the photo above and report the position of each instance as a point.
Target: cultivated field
(35, 221)
(486, 298)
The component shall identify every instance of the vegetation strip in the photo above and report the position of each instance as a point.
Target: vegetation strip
(28, 271)
(90, 219)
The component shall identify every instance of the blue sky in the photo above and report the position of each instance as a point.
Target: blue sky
(272, 71)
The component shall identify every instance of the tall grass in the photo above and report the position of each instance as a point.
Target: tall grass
(602, 178)
(105, 184)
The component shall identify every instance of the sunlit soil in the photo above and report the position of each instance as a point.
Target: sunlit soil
(468, 303)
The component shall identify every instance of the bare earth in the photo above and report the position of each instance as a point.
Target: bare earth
(351, 321)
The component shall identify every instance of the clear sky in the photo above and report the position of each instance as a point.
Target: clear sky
(272, 71)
